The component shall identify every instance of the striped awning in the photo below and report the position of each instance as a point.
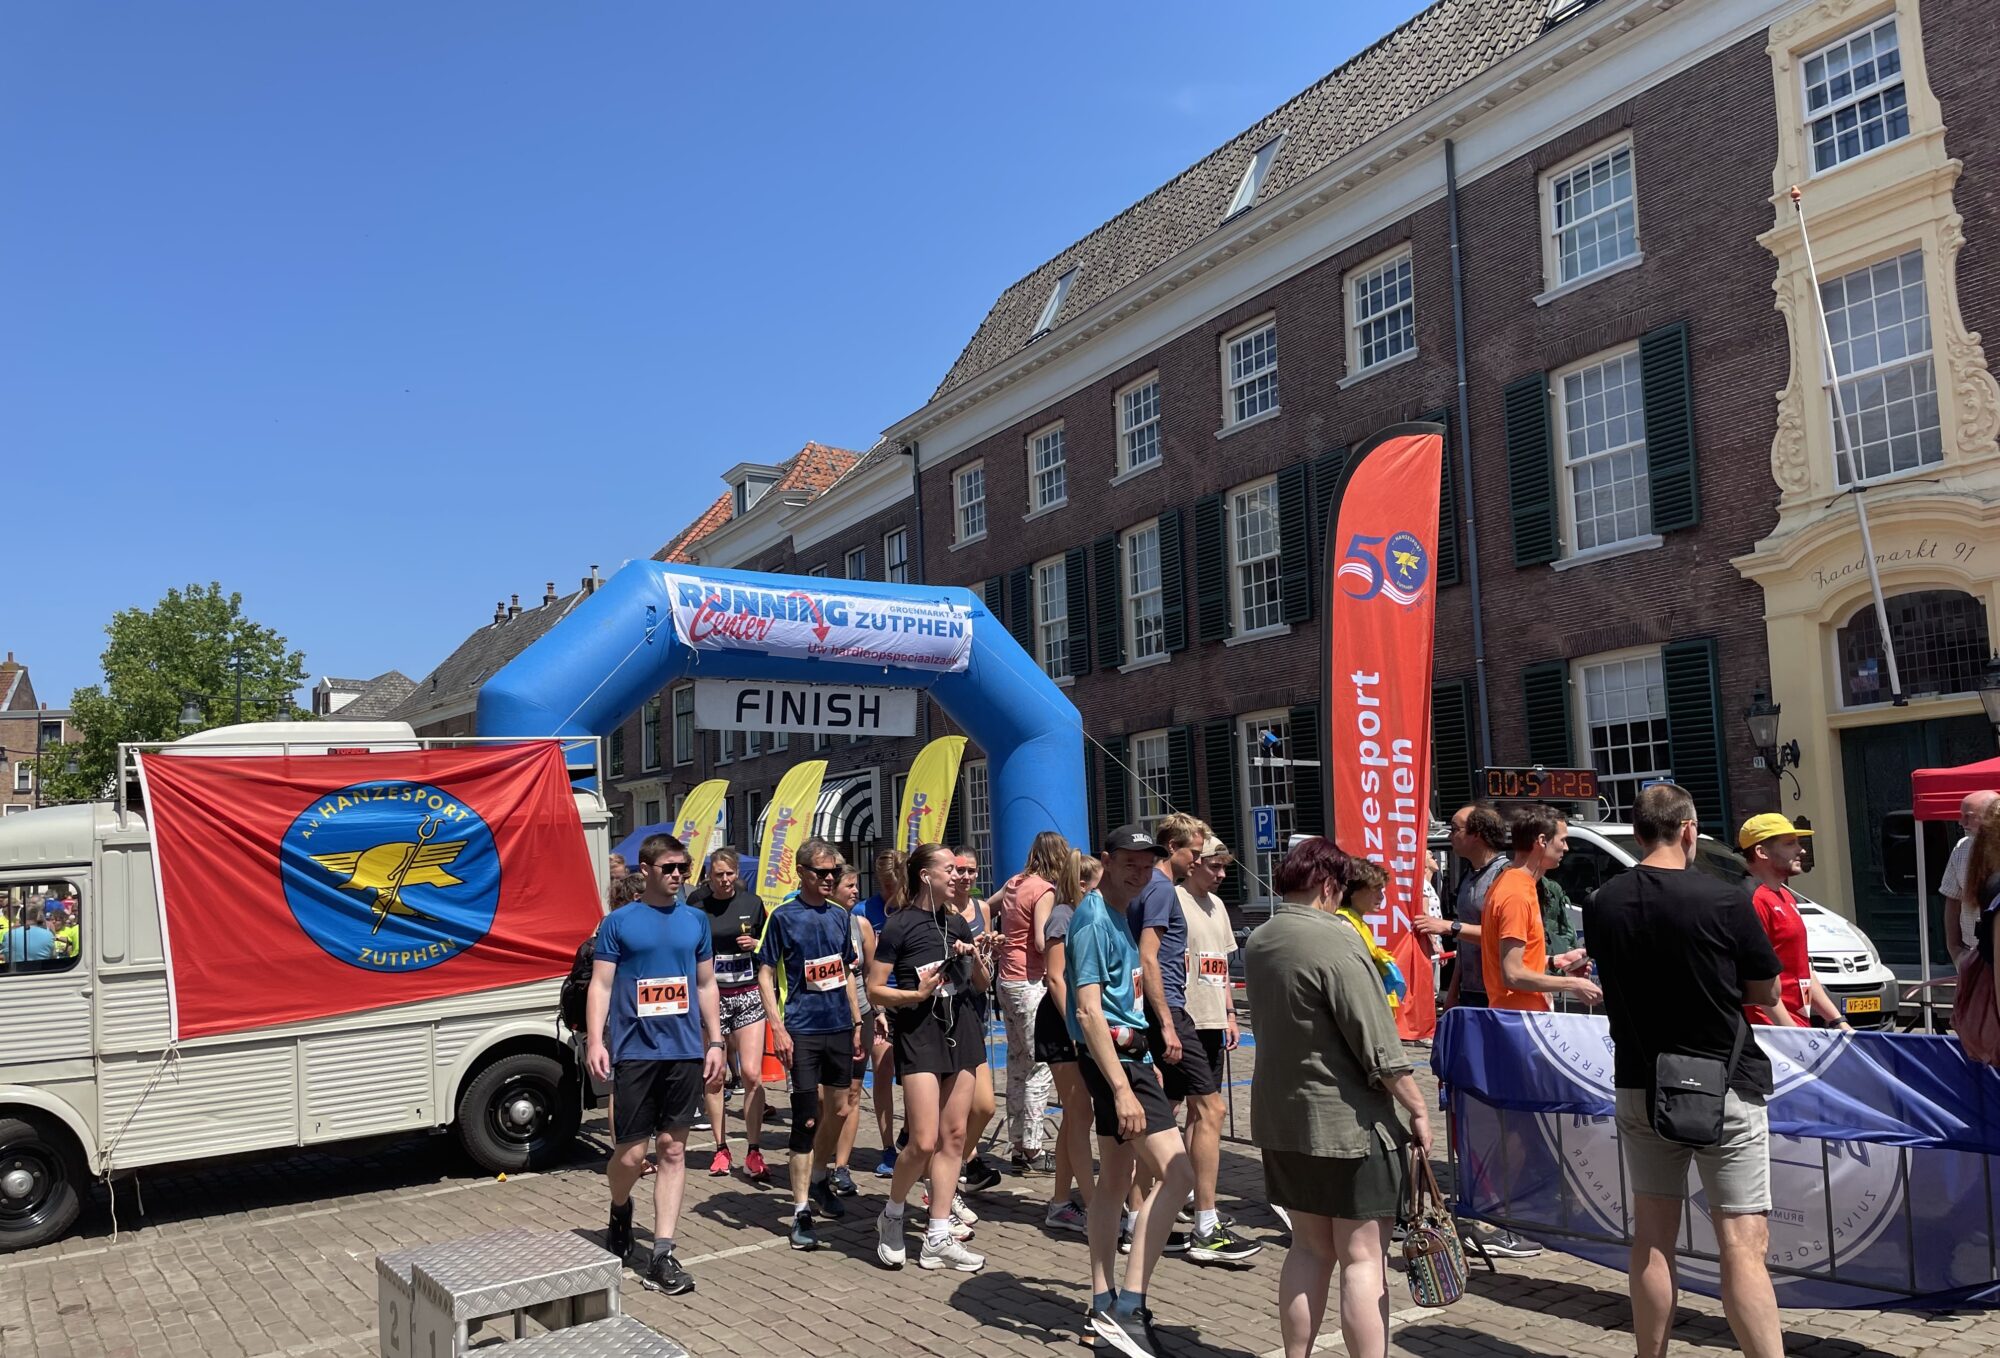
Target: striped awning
(846, 810)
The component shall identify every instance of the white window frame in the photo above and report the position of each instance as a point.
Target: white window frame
(781, 741)
(1051, 627)
(818, 571)
(754, 802)
(62, 732)
(684, 754)
(1048, 469)
(1254, 175)
(1233, 387)
(1238, 562)
(1566, 467)
(1058, 291)
(1130, 430)
(725, 747)
(1579, 678)
(1148, 800)
(651, 752)
(1852, 381)
(1358, 280)
(24, 775)
(1553, 231)
(1835, 107)
(855, 564)
(979, 819)
(965, 504)
(896, 556)
(753, 744)
(1252, 778)
(1131, 595)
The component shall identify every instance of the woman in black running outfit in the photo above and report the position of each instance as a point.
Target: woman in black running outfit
(978, 918)
(735, 920)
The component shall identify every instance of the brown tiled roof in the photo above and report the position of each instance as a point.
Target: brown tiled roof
(813, 468)
(378, 696)
(477, 659)
(1439, 49)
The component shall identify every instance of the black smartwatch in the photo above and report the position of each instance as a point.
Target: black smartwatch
(1455, 927)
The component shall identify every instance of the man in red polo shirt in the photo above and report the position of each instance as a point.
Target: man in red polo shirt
(1773, 854)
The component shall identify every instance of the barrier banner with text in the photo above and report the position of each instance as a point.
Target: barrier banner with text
(713, 614)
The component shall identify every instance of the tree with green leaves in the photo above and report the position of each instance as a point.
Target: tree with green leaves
(192, 653)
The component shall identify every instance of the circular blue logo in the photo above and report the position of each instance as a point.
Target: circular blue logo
(1406, 565)
(391, 875)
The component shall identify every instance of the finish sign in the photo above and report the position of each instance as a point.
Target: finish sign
(812, 709)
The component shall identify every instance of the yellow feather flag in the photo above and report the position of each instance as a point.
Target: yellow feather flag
(927, 794)
(699, 815)
(788, 825)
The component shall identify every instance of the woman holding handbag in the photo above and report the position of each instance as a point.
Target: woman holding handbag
(1331, 1073)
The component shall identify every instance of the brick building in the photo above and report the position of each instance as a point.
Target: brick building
(27, 729)
(1133, 453)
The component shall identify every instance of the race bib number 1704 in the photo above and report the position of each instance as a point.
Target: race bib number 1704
(662, 997)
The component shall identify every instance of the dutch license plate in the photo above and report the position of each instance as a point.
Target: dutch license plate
(1865, 1004)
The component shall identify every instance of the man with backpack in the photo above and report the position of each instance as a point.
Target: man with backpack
(651, 968)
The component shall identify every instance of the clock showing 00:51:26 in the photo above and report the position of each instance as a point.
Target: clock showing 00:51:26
(1540, 784)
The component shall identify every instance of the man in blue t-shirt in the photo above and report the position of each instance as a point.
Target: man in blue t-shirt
(805, 969)
(651, 969)
(1135, 1123)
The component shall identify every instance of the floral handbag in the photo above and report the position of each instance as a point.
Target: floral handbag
(1433, 1254)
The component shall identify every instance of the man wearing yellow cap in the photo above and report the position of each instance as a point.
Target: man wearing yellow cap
(1772, 852)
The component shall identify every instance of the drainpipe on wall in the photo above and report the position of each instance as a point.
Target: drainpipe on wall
(1465, 458)
(917, 559)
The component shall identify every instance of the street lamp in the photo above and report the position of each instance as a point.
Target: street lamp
(1989, 692)
(1762, 719)
(191, 713)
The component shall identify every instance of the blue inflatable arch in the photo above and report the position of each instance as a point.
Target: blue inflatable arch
(618, 649)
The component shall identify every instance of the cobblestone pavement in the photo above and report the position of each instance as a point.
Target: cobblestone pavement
(276, 1257)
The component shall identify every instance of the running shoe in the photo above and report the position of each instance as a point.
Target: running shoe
(1145, 1315)
(1507, 1245)
(721, 1164)
(826, 1201)
(979, 1176)
(1066, 1216)
(1124, 1239)
(889, 1247)
(755, 1170)
(1177, 1242)
(949, 1254)
(959, 1230)
(1218, 1246)
(665, 1274)
(960, 1208)
(1036, 1162)
(700, 1123)
(803, 1237)
(843, 1182)
(1121, 1334)
(618, 1235)
(885, 1168)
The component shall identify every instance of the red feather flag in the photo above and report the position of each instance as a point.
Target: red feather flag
(298, 887)
(1382, 607)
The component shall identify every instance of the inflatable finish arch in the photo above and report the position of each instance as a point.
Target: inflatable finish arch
(626, 642)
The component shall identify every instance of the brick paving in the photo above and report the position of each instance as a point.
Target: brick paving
(275, 1256)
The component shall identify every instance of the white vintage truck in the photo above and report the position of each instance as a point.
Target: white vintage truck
(88, 1089)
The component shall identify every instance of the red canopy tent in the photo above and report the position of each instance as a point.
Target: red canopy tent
(1935, 795)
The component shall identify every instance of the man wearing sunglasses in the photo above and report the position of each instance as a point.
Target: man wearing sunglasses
(805, 969)
(652, 985)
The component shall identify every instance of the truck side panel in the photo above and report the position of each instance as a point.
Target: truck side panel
(214, 1101)
(361, 1084)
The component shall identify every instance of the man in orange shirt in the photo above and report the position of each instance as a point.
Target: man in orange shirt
(1513, 946)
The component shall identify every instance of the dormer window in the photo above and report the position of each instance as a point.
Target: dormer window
(1252, 183)
(1047, 319)
(750, 490)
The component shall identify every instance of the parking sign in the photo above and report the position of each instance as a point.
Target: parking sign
(1264, 827)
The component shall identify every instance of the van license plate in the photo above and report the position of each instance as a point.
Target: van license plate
(1865, 1004)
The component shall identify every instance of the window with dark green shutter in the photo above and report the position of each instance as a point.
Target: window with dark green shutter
(1448, 570)
(1328, 468)
(1093, 799)
(1451, 744)
(1531, 473)
(1173, 587)
(1294, 544)
(996, 593)
(1211, 570)
(1107, 587)
(1117, 805)
(1079, 610)
(1694, 729)
(1180, 769)
(1545, 702)
(1218, 745)
(1666, 375)
(1308, 784)
(1020, 608)
(954, 821)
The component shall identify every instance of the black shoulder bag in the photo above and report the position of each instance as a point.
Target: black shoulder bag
(1689, 1091)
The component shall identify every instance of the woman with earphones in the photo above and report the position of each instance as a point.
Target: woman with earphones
(928, 950)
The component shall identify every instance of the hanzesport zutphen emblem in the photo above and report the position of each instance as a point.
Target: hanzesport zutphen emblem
(391, 875)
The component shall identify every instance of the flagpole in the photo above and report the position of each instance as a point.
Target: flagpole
(1859, 481)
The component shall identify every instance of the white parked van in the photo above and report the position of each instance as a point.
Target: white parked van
(88, 1089)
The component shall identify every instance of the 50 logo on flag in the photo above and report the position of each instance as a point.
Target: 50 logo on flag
(1395, 567)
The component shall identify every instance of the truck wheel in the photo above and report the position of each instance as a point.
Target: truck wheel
(41, 1184)
(520, 1112)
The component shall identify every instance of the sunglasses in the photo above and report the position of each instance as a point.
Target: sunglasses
(680, 869)
(822, 873)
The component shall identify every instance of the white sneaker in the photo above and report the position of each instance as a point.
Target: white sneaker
(889, 1247)
(959, 1230)
(959, 1208)
(950, 1254)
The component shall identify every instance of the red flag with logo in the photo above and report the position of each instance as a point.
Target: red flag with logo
(298, 887)
(1382, 605)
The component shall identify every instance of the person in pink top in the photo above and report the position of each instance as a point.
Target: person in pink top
(1025, 903)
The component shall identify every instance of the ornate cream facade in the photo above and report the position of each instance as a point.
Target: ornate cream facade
(1935, 527)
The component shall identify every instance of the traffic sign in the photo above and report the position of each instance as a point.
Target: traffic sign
(1264, 828)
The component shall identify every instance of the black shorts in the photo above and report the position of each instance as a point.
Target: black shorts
(1196, 1073)
(1145, 1087)
(649, 1097)
(822, 1060)
(1052, 1040)
(1211, 1046)
(927, 1044)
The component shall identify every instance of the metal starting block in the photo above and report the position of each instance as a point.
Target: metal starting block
(619, 1337)
(443, 1291)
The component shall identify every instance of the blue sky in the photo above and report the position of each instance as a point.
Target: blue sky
(380, 312)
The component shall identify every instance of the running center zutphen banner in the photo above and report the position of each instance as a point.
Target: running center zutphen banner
(817, 624)
(1381, 556)
(1884, 1190)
